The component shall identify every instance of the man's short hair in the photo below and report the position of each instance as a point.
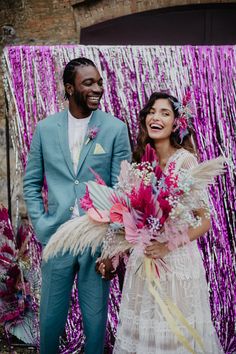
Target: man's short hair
(70, 70)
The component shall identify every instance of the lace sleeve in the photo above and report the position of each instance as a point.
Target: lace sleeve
(189, 161)
(199, 198)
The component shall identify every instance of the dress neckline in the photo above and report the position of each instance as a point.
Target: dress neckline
(172, 158)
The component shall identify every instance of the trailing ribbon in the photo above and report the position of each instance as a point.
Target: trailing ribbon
(169, 309)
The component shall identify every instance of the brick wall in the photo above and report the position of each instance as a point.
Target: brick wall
(31, 22)
(92, 12)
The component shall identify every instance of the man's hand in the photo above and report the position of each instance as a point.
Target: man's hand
(105, 268)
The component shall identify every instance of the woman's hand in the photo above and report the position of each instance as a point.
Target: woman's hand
(156, 250)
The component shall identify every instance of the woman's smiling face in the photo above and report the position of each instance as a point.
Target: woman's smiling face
(160, 120)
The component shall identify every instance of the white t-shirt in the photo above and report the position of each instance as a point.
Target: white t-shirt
(77, 129)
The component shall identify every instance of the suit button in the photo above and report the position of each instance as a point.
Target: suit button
(76, 181)
(71, 208)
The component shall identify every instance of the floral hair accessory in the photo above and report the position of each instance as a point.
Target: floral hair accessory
(185, 119)
(91, 134)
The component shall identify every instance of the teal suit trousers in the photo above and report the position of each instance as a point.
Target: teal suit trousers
(57, 280)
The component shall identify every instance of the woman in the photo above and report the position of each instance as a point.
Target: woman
(143, 327)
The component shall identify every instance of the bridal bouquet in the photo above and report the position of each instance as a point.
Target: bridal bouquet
(145, 203)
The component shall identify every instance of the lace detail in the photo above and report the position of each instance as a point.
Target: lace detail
(184, 160)
(142, 327)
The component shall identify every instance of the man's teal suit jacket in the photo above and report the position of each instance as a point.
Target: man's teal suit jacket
(50, 158)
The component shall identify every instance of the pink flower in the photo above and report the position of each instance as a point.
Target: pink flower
(86, 202)
(101, 216)
(183, 122)
(98, 179)
(187, 98)
(92, 132)
(149, 154)
(164, 205)
(118, 199)
(116, 212)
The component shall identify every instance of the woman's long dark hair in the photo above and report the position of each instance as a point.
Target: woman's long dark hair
(143, 139)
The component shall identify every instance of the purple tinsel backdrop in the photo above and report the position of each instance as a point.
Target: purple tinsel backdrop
(34, 89)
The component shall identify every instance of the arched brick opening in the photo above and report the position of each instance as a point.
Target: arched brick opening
(193, 24)
(91, 12)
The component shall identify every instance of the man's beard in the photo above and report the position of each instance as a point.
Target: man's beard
(81, 102)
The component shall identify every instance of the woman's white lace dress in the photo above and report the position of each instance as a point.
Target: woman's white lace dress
(142, 328)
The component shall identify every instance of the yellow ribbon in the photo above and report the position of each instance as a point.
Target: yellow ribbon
(169, 309)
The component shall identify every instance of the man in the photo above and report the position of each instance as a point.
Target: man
(64, 148)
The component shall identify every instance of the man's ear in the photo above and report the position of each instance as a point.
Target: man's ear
(69, 89)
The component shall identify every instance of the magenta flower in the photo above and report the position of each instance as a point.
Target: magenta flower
(98, 179)
(86, 202)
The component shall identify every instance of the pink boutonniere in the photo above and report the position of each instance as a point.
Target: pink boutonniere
(91, 134)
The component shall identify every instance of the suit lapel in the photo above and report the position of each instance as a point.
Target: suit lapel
(95, 121)
(64, 139)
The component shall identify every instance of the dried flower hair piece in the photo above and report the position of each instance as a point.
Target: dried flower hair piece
(185, 119)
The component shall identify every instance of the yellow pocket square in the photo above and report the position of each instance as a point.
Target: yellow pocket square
(99, 149)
